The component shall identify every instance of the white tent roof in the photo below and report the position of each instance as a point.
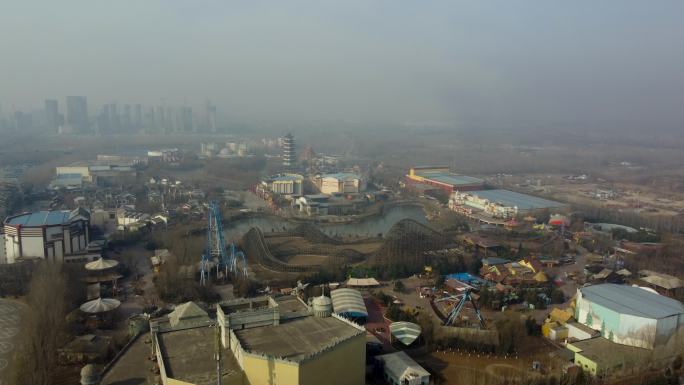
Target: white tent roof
(101, 264)
(100, 305)
(406, 332)
(348, 302)
(364, 282)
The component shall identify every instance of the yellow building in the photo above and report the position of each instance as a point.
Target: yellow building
(598, 356)
(264, 340)
(302, 352)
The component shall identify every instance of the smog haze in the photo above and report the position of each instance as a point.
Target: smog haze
(574, 65)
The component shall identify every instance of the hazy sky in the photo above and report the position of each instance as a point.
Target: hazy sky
(510, 63)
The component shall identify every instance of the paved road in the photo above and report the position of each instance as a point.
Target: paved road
(10, 316)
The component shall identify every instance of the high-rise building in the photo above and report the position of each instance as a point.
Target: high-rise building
(160, 119)
(127, 123)
(289, 150)
(114, 119)
(22, 121)
(137, 117)
(52, 120)
(187, 125)
(211, 117)
(77, 113)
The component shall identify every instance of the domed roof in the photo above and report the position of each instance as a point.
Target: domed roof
(90, 375)
(322, 301)
(89, 371)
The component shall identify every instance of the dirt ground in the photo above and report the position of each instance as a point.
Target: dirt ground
(465, 368)
(308, 259)
(654, 198)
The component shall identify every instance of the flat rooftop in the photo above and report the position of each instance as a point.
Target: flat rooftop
(189, 356)
(632, 300)
(132, 367)
(290, 304)
(286, 177)
(40, 218)
(514, 199)
(610, 355)
(296, 339)
(449, 178)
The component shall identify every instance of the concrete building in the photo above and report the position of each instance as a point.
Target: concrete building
(284, 184)
(52, 117)
(600, 357)
(77, 113)
(263, 340)
(52, 235)
(441, 178)
(664, 284)
(498, 203)
(3, 253)
(101, 172)
(342, 182)
(629, 315)
(400, 369)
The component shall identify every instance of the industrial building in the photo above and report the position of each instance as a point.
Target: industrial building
(341, 182)
(283, 184)
(53, 235)
(499, 203)
(263, 340)
(600, 357)
(629, 315)
(441, 178)
(101, 172)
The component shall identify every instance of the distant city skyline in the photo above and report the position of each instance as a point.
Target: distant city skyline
(76, 115)
(490, 64)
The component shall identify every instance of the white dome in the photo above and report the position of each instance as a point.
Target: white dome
(322, 306)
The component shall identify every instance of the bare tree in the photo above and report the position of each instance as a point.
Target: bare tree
(44, 327)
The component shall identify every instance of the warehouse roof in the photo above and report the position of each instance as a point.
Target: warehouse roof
(400, 365)
(449, 178)
(609, 355)
(46, 218)
(632, 300)
(297, 339)
(39, 218)
(348, 302)
(515, 199)
(286, 177)
(665, 281)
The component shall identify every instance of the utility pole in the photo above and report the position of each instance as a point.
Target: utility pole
(218, 354)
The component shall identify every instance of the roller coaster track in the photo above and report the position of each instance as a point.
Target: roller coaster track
(255, 246)
(406, 239)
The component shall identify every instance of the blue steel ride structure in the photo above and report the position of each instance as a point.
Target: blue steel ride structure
(461, 300)
(216, 252)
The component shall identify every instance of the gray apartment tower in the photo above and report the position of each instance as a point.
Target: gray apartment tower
(77, 113)
(52, 118)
